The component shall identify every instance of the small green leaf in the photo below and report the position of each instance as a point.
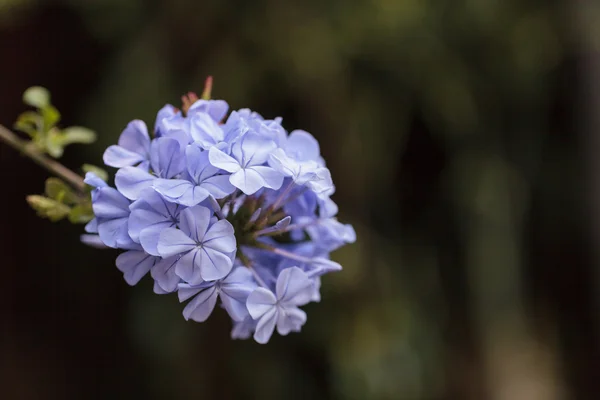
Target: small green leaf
(36, 96)
(78, 134)
(54, 144)
(29, 122)
(60, 191)
(51, 116)
(81, 213)
(102, 174)
(48, 208)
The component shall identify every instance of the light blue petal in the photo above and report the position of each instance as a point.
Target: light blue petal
(186, 267)
(198, 164)
(132, 181)
(163, 272)
(172, 189)
(134, 265)
(108, 203)
(218, 186)
(220, 237)
(205, 131)
(260, 301)
(166, 157)
(193, 196)
(290, 321)
(173, 241)
(293, 287)
(222, 160)
(93, 180)
(113, 232)
(194, 222)
(201, 306)
(150, 236)
(141, 219)
(117, 156)
(303, 146)
(213, 265)
(271, 178)
(266, 326)
(247, 180)
(135, 138)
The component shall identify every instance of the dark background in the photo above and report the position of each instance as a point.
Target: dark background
(463, 138)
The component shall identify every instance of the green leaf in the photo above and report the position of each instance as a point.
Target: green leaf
(48, 208)
(102, 174)
(78, 134)
(60, 191)
(81, 213)
(54, 143)
(51, 116)
(36, 96)
(29, 122)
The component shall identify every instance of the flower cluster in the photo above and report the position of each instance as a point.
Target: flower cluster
(221, 207)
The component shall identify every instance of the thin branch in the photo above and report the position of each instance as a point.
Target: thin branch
(52, 166)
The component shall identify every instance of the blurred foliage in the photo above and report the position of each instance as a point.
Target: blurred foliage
(437, 121)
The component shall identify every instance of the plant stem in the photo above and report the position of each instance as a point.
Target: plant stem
(56, 168)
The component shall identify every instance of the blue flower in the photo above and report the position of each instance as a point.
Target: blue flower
(133, 148)
(293, 289)
(233, 291)
(246, 164)
(238, 211)
(111, 210)
(201, 180)
(166, 160)
(205, 247)
(150, 215)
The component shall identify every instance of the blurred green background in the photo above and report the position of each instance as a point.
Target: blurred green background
(462, 137)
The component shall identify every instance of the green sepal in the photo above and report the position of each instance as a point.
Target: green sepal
(48, 208)
(57, 140)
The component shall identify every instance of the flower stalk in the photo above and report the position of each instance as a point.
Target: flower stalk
(54, 167)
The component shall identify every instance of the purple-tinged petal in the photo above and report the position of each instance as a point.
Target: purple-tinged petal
(293, 287)
(260, 301)
(141, 219)
(93, 180)
(163, 273)
(201, 306)
(118, 157)
(243, 329)
(92, 226)
(135, 138)
(221, 160)
(92, 241)
(166, 157)
(218, 186)
(173, 241)
(194, 222)
(220, 237)
(198, 164)
(113, 232)
(205, 131)
(302, 146)
(213, 265)
(132, 181)
(266, 326)
(216, 109)
(108, 203)
(150, 236)
(172, 189)
(290, 321)
(134, 265)
(272, 179)
(186, 267)
(247, 180)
